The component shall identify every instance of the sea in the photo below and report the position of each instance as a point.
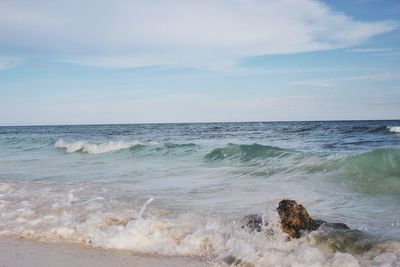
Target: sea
(182, 189)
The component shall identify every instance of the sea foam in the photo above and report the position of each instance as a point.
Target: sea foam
(44, 213)
(95, 148)
(394, 129)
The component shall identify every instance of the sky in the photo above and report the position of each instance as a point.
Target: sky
(157, 61)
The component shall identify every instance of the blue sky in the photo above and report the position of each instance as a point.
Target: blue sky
(128, 61)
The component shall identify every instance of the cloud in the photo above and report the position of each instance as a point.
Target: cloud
(7, 62)
(371, 50)
(378, 77)
(208, 33)
(318, 83)
(377, 51)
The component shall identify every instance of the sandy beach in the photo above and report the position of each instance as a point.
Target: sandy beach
(26, 253)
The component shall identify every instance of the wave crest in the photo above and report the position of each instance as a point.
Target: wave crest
(112, 146)
(95, 148)
(394, 129)
(383, 160)
(375, 171)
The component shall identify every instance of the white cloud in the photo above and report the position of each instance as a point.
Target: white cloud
(377, 77)
(207, 33)
(318, 83)
(377, 51)
(7, 62)
(371, 50)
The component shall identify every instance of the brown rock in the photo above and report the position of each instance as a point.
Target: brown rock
(295, 218)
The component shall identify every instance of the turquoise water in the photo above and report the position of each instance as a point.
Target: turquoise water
(90, 183)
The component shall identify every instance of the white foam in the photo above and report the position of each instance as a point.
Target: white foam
(4, 187)
(43, 212)
(144, 207)
(394, 129)
(95, 148)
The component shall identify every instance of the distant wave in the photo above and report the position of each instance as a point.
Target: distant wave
(297, 129)
(394, 129)
(365, 129)
(112, 146)
(95, 148)
(246, 152)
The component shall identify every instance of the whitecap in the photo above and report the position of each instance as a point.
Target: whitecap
(394, 129)
(95, 148)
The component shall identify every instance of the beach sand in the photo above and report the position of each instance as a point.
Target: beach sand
(22, 252)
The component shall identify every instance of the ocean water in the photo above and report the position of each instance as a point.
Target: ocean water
(181, 189)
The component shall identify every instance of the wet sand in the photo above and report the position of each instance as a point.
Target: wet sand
(26, 253)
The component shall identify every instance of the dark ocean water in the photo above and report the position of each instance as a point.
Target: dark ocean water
(179, 189)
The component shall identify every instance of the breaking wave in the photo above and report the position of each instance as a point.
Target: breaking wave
(384, 161)
(95, 148)
(394, 129)
(375, 171)
(112, 146)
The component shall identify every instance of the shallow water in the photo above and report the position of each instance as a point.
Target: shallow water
(89, 184)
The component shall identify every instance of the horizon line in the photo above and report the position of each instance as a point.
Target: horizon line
(199, 122)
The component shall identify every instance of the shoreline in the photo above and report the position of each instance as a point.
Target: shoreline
(20, 252)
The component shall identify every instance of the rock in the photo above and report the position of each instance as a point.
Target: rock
(252, 222)
(233, 261)
(295, 219)
(344, 240)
